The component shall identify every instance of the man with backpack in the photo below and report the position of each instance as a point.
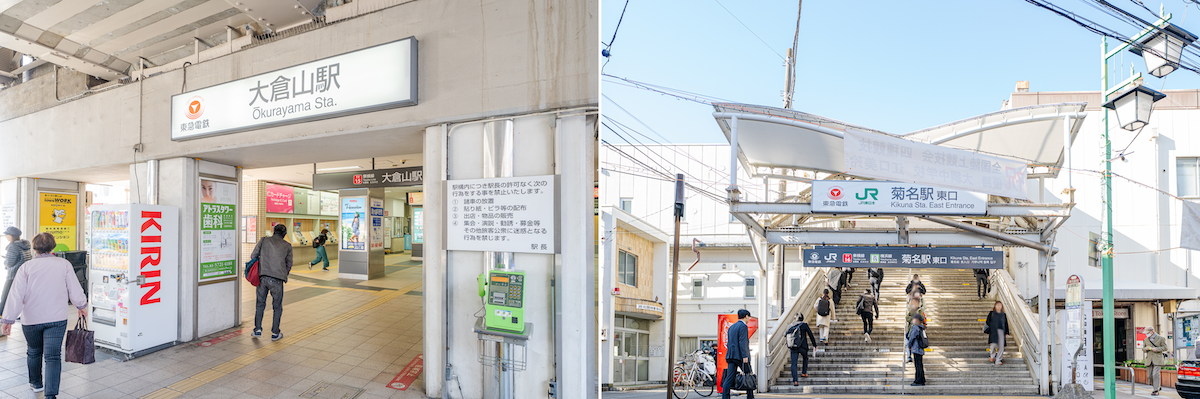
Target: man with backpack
(319, 244)
(981, 281)
(876, 279)
(274, 256)
(798, 345)
(866, 302)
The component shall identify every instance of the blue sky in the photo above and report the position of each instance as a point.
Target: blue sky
(896, 66)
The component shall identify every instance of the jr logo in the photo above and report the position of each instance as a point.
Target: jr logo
(873, 193)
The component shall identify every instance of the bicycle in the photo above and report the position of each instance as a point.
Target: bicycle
(689, 376)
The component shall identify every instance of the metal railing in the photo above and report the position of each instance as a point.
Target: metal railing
(777, 350)
(1021, 320)
(1132, 378)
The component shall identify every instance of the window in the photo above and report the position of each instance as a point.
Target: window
(1187, 172)
(627, 205)
(688, 345)
(750, 287)
(627, 268)
(697, 289)
(795, 287)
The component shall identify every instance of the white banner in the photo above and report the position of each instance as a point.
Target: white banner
(891, 158)
(374, 78)
(1189, 236)
(882, 197)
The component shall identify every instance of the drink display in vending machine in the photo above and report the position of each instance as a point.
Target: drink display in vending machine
(133, 277)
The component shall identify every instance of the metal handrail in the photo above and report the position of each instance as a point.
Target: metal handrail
(1132, 378)
(1020, 319)
(777, 350)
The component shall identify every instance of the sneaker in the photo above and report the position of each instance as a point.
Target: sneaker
(257, 333)
(276, 336)
(36, 388)
(868, 336)
(310, 265)
(916, 385)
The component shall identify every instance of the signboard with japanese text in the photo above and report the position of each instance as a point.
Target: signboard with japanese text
(379, 178)
(354, 224)
(279, 198)
(300, 200)
(56, 215)
(417, 198)
(1074, 302)
(418, 225)
(370, 79)
(1084, 369)
(1187, 331)
(880, 197)
(917, 257)
(376, 224)
(218, 229)
(250, 229)
(329, 204)
(511, 214)
(892, 158)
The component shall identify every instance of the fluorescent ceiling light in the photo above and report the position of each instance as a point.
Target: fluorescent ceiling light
(338, 168)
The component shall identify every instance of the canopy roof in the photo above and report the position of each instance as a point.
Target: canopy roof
(784, 138)
(1130, 290)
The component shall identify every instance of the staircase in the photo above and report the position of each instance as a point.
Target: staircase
(957, 362)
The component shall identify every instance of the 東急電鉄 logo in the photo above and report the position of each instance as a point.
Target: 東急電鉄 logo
(835, 192)
(195, 107)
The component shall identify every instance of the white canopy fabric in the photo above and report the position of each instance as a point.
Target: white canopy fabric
(1130, 290)
(784, 138)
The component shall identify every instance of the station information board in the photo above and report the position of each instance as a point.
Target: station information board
(918, 257)
(512, 214)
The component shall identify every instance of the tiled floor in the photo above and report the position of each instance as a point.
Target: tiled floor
(360, 334)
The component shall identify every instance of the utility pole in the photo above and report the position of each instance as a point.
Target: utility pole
(674, 285)
(790, 63)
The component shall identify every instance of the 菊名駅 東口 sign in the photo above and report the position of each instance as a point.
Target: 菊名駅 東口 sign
(883, 197)
(374, 78)
(918, 257)
(370, 179)
(510, 214)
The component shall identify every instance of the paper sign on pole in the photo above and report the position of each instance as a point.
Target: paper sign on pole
(1084, 370)
(891, 158)
(511, 214)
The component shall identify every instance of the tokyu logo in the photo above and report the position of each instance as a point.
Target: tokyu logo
(835, 192)
(195, 108)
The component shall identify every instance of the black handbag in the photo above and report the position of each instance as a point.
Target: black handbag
(746, 380)
(81, 344)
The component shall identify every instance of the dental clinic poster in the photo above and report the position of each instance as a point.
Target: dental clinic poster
(218, 228)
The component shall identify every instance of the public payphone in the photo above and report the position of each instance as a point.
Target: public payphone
(503, 295)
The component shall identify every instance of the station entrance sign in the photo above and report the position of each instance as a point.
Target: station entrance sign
(884, 197)
(916, 257)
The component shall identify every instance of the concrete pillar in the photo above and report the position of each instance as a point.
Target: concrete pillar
(436, 292)
(576, 371)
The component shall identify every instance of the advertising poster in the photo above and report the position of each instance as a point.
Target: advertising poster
(250, 226)
(300, 200)
(218, 229)
(329, 204)
(376, 223)
(354, 224)
(723, 323)
(56, 216)
(279, 198)
(418, 222)
(314, 203)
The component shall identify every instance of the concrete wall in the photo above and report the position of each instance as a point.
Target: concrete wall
(475, 60)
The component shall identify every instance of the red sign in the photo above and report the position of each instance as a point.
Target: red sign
(152, 249)
(279, 198)
(723, 323)
(408, 374)
(357, 179)
(835, 192)
(847, 258)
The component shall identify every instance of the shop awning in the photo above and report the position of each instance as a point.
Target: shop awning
(1130, 290)
(784, 138)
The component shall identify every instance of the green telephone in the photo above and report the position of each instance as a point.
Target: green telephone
(503, 295)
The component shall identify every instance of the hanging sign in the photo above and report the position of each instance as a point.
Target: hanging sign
(371, 79)
(881, 197)
(885, 157)
(378, 178)
(920, 257)
(512, 214)
(218, 228)
(56, 216)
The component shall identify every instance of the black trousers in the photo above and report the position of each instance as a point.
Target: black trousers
(837, 297)
(802, 353)
(731, 370)
(981, 286)
(868, 322)
(920, 365)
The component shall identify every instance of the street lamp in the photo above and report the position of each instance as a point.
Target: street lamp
(1168, 42)
(1133, 106)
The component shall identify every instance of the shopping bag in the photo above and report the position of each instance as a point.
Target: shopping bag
(252, 272)
(81, 344)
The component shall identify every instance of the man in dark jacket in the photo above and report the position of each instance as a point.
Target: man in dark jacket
(876, 278)
(737, 353)
(274, 256)
(834, 281)
(799, 346)
(915, 285)
(981, 282)
(868, 309)
(18, 253)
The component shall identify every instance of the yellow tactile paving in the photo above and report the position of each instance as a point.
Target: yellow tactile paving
(206, 376)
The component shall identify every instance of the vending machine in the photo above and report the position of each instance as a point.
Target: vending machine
(133, 275)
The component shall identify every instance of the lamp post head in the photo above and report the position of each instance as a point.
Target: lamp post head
(1133, 106)
(1166, 47)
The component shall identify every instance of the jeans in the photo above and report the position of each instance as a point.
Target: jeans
(45, 341)
(12, 275)
(998, 349)
(802, 353)
(274, 286)
(920, 366)
(868, 322)
(321, 256)
(981, 286)
(731, 370)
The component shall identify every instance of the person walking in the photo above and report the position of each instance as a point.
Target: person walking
(915, 285)
(915, 344)
(737, 353)
(868, 309)
(849, 273)
(825, 312)
(997, 329)
(981, 283)
(875, 275)
(833, 281)
(274, 256)
(913, 309)
(19, 251)
(319, 244)
(38, 293)
(1156, 348)
(798, 345)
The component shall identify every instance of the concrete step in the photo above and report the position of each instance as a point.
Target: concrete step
(932, 387)
(945, 373)
(908, 378)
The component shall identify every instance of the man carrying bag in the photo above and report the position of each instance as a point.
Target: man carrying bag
(737, 356)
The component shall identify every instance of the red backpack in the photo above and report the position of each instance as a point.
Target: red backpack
(252, 272)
